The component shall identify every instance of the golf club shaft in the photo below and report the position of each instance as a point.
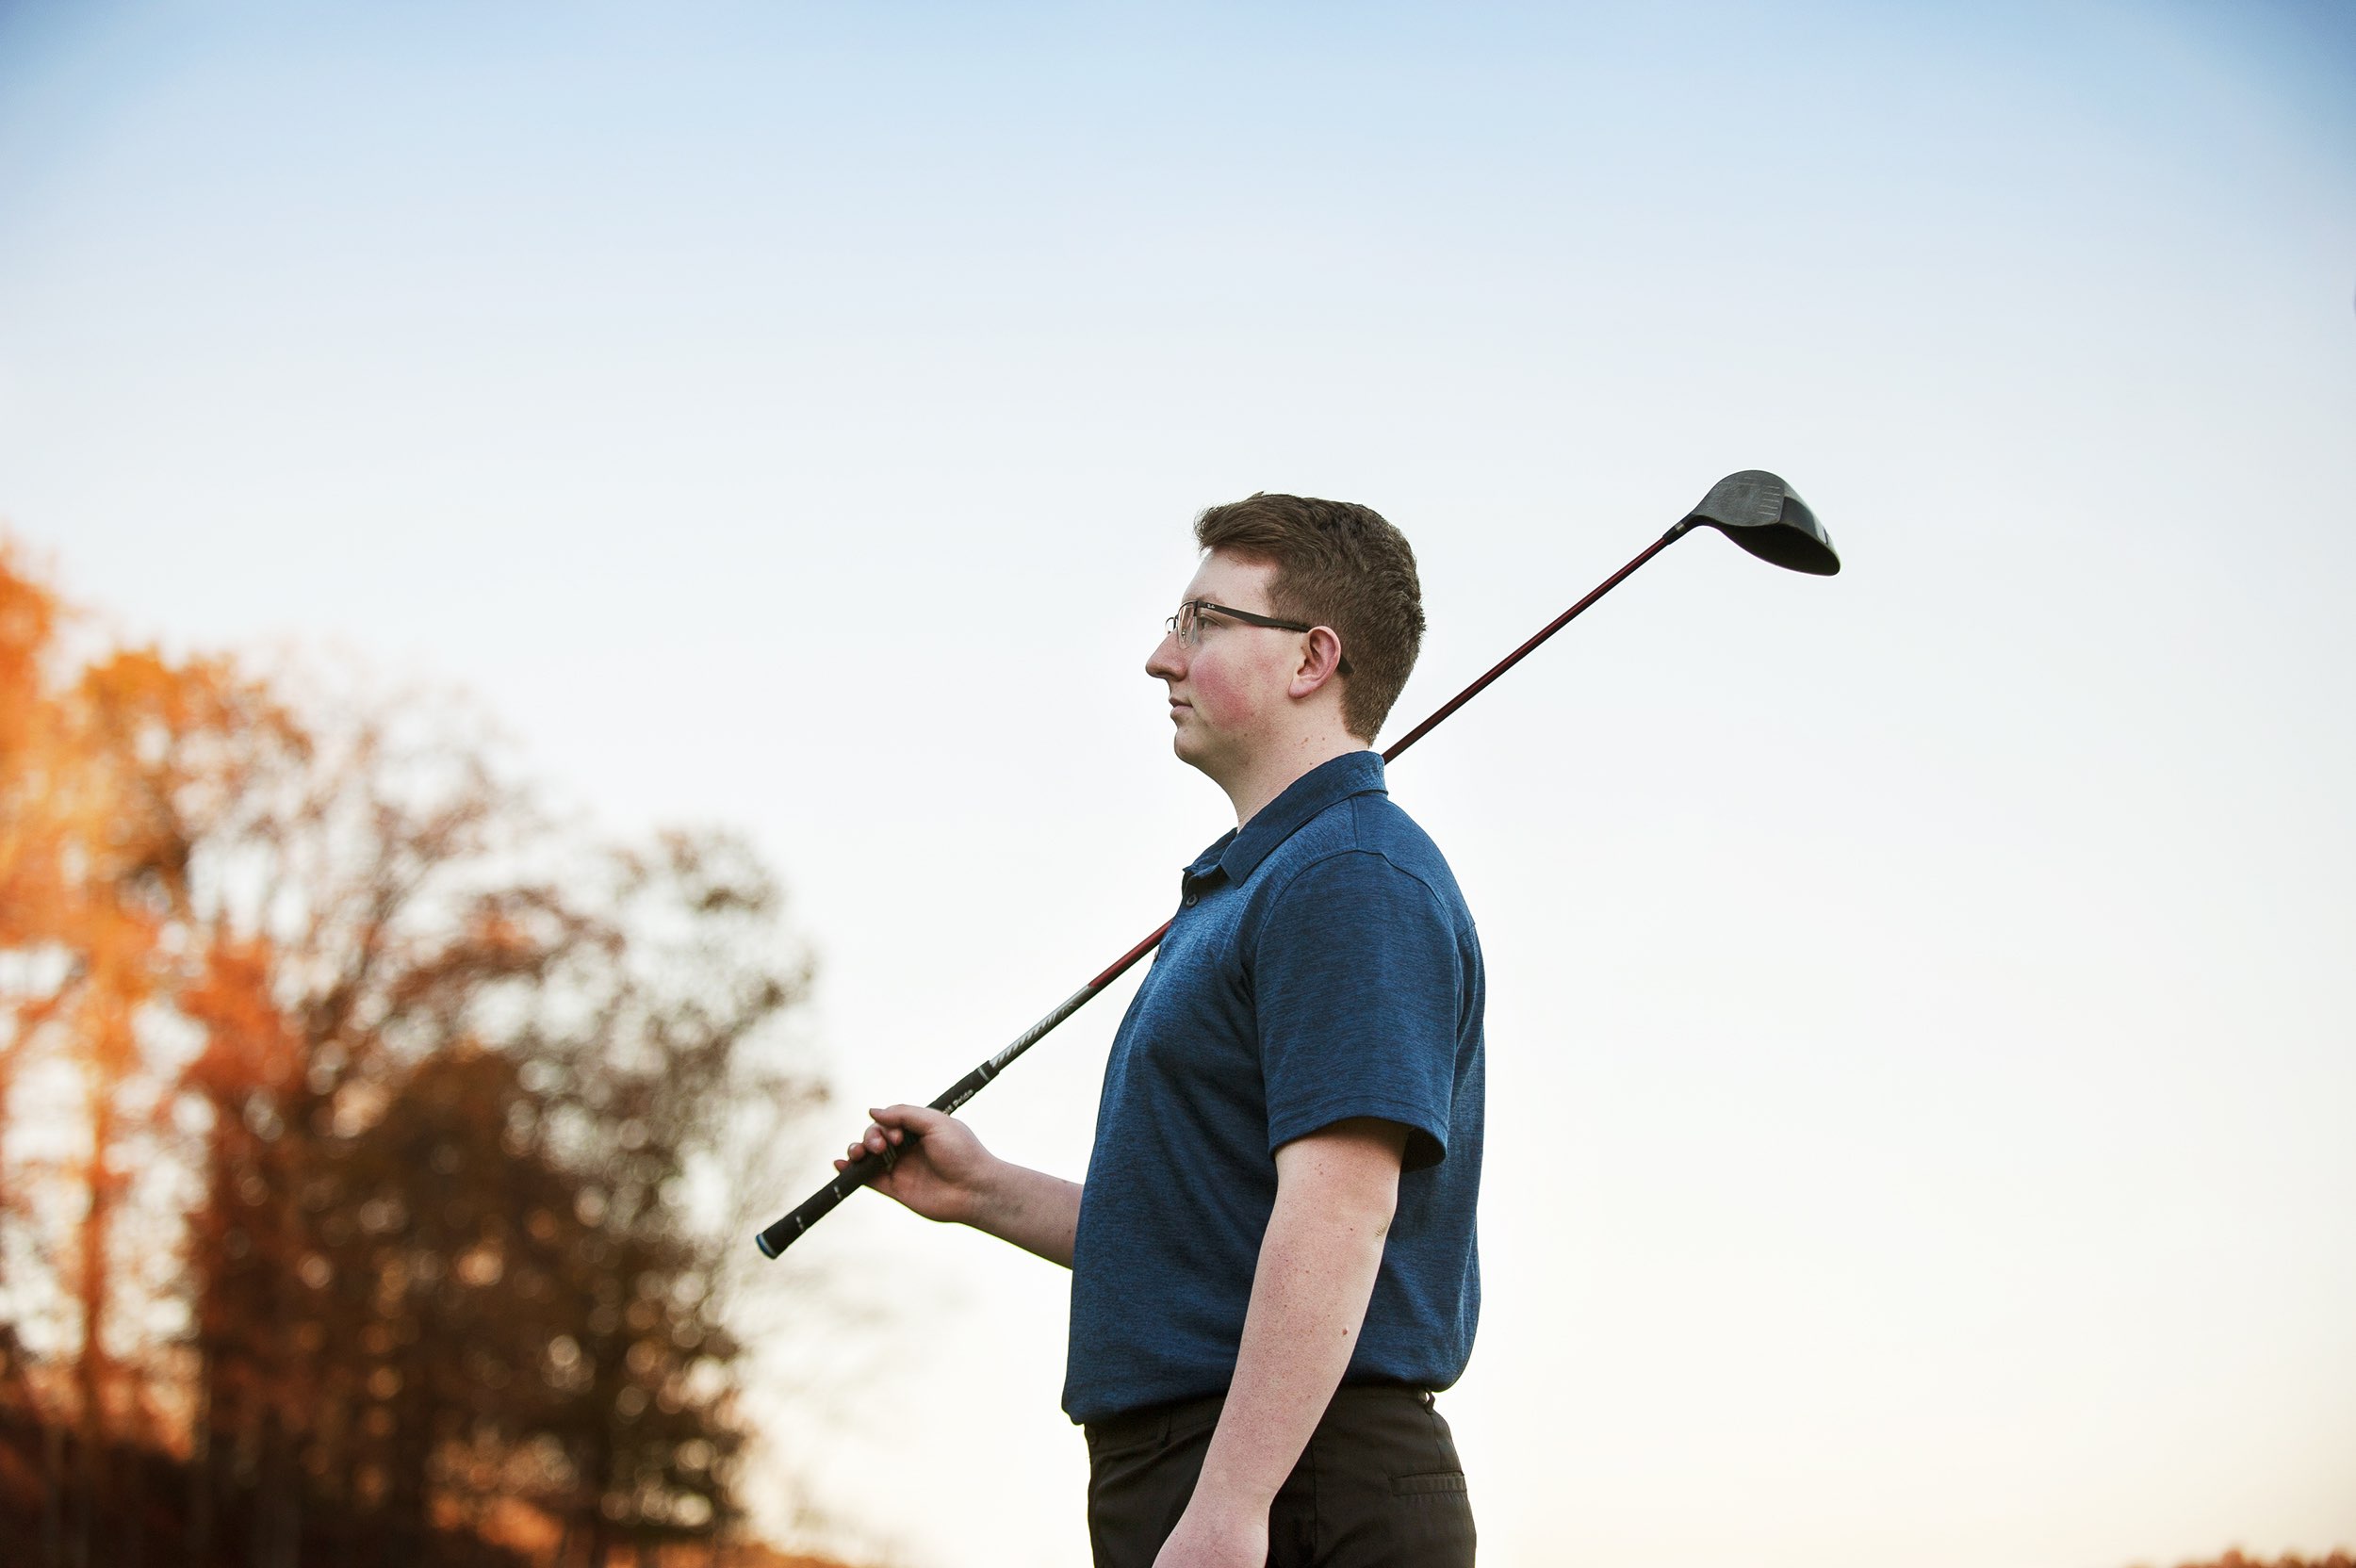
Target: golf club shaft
(866, 1167)
(1526, 648)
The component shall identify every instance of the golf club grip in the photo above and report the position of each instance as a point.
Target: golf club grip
(857, 1174)
(819, 1204)
(866, 1167)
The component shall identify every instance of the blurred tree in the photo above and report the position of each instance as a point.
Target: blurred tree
(2339, 1559)
(409, 1126)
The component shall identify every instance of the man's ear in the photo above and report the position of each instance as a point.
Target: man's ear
(1321, 661)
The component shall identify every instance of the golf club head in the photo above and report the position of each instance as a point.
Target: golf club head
(1757, 510)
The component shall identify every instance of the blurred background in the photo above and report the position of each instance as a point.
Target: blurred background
(575, 609)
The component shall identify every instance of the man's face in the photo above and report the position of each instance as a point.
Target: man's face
(1227, 692)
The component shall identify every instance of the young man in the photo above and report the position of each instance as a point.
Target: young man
(1273, 1255)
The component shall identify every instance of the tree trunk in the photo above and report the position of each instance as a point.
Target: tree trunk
(134, 1510)
(200, 1521)
(112, 1049)
(53, 1494)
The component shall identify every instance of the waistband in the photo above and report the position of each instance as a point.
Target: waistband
(1160, 1422)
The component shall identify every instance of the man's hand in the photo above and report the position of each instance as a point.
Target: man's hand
(1207, 1538)
(939, 1167)
(941, 1171)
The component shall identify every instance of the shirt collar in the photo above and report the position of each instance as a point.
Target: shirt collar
(1239, 853)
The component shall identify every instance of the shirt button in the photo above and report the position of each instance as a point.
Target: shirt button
(1192, 899)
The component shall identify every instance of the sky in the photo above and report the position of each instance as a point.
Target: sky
(1921, 1030)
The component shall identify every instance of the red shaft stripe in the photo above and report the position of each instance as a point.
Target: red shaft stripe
(1121, 965)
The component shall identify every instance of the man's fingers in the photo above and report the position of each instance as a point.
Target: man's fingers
(887, 1137)
(878, 1142)
(918, 1119)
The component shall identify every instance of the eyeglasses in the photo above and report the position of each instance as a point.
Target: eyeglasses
(1186, 625)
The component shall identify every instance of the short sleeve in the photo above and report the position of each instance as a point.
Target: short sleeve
(1358, 985)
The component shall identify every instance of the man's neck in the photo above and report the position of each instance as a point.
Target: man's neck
(1272, 775)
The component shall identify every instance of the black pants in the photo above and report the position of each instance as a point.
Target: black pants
(1379, 1485)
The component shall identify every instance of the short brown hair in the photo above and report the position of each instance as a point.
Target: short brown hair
(1337, 564)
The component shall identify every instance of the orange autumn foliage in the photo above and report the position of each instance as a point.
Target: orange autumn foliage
(349, 1116)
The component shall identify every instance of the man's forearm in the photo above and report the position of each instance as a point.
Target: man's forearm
(942, 1172)
(1323, 1248)
(1037, 1212)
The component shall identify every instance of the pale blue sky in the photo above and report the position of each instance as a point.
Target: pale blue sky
(1924, 1033)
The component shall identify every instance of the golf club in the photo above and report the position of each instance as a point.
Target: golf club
(1755, 509)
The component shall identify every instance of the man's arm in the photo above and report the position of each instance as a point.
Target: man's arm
(945, 1174)
(1336, 1192)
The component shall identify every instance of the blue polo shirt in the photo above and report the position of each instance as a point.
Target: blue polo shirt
(1321, 966)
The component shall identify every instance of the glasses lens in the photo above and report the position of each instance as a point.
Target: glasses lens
(1187, 622)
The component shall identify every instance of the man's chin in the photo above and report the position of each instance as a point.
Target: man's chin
(1189, 749)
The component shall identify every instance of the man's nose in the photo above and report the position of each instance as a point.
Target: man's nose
(1168, 660)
